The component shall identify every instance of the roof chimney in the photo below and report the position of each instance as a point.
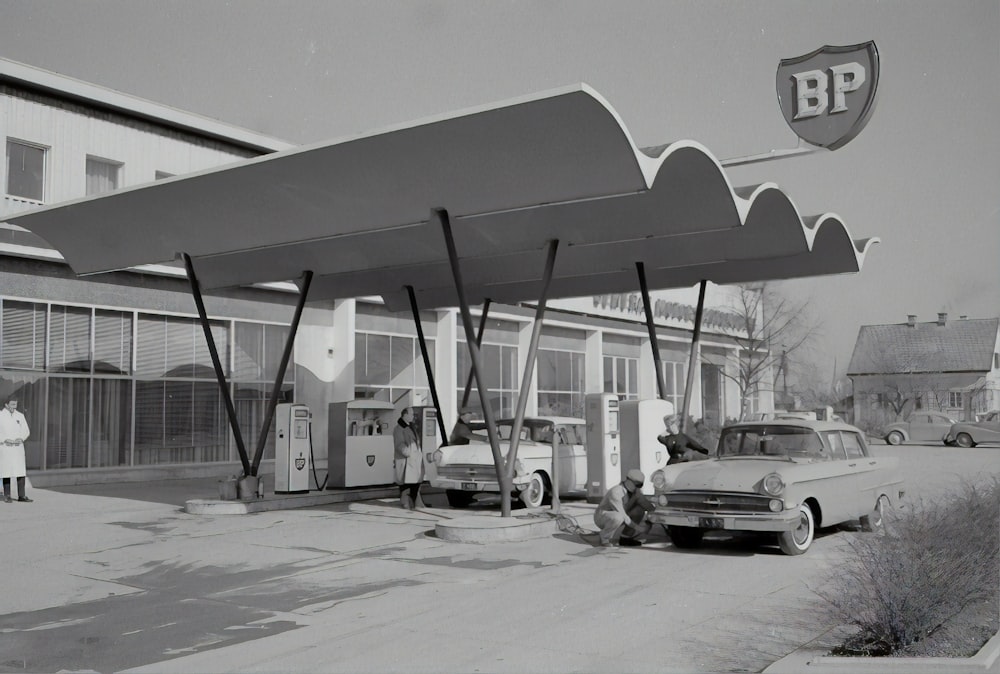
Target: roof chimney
(942, 319)
(911, 320)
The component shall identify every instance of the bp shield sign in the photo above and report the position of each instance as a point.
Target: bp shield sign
(828, 95)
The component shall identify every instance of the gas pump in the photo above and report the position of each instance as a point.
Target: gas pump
(603, 440)
(292, 456)
(427, 434)
(642, 422)
(360, 449)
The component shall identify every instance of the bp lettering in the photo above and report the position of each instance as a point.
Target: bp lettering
(814, 95)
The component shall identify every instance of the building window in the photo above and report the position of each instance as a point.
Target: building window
(561, 383)
(499, 377)
(22, 335)
(674, 382)
(25, 171)
(621, 377)
(102, 175)
(390, 368)
(955, 399)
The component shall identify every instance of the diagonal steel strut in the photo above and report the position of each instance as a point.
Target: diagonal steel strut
(441, 215)
(427, 362)
(220, 374)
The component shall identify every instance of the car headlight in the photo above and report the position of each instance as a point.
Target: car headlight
(659, 479)
(775, 505)
(437, 456)
(662, 500)
(519, 468)
(773, 484)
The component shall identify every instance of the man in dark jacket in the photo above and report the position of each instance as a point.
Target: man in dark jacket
(462, 433)
(679, 446)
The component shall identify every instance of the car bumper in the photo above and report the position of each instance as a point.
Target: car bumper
(519, 483)
(786, 520)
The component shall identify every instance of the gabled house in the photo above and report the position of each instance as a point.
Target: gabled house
(950, 366)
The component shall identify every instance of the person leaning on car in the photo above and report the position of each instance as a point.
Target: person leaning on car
(462, 433)
(622, 512)
(679, 446)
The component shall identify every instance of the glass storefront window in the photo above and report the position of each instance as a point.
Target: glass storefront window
(390, 368)
(69, 339)
(22, 335)
(621, 377)
(81, 415)
(499, 377)
(561, 383)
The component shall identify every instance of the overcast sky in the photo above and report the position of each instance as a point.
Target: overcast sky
(923, 176)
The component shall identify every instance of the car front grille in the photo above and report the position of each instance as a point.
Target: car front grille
(718, 502)
(467, 471)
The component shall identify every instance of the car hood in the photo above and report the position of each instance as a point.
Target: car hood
(733, 475)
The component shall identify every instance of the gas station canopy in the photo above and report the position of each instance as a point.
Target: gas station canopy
(513, 176)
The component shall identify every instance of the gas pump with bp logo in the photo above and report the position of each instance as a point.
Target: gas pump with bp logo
(292, 456)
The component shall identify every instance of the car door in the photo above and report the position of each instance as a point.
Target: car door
(841, 480)
(869, 474)
(572, 458)
(988, 430)
(922, 427)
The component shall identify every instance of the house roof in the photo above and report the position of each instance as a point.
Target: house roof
(965, 345)
(361, 213)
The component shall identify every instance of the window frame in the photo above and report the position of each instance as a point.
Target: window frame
(44, 188)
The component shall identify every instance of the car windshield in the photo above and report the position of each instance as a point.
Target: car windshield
(569, 434)
(776, 441)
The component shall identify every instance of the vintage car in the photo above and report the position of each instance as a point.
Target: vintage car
(972, 433)
(919, 427)
(466, 470)
(787, 476)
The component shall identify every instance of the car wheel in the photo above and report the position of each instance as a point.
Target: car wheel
(798, 540)
(894, 438)
(964, 440)
(458, 498)
(533, 496)
(875, 520)
(685, 537)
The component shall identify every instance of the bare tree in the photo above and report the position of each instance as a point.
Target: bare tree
(773, 330)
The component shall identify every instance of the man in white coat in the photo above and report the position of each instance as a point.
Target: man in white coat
(13, 432)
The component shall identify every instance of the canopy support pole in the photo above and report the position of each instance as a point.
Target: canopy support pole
(441, 215)
(653, 342)
(220, 374)
(479, 343)
(427, 362)
(280, 377)
(529, 365)
(692, 358)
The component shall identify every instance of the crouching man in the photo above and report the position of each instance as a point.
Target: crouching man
(621, 514)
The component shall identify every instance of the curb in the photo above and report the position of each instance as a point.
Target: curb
(496, 529)
(202, 506)
(815, 661)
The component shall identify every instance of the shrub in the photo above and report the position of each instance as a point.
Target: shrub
(929, 564)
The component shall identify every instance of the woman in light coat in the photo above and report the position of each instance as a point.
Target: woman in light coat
(409, 461)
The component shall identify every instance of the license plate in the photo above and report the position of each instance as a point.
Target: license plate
(470, 486)
(710, 522)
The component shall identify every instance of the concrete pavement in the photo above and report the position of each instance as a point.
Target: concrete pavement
(119, 584)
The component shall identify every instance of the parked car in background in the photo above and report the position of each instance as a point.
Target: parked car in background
(972, 433)
(919, 427)
(789, 477)
(466, 470)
